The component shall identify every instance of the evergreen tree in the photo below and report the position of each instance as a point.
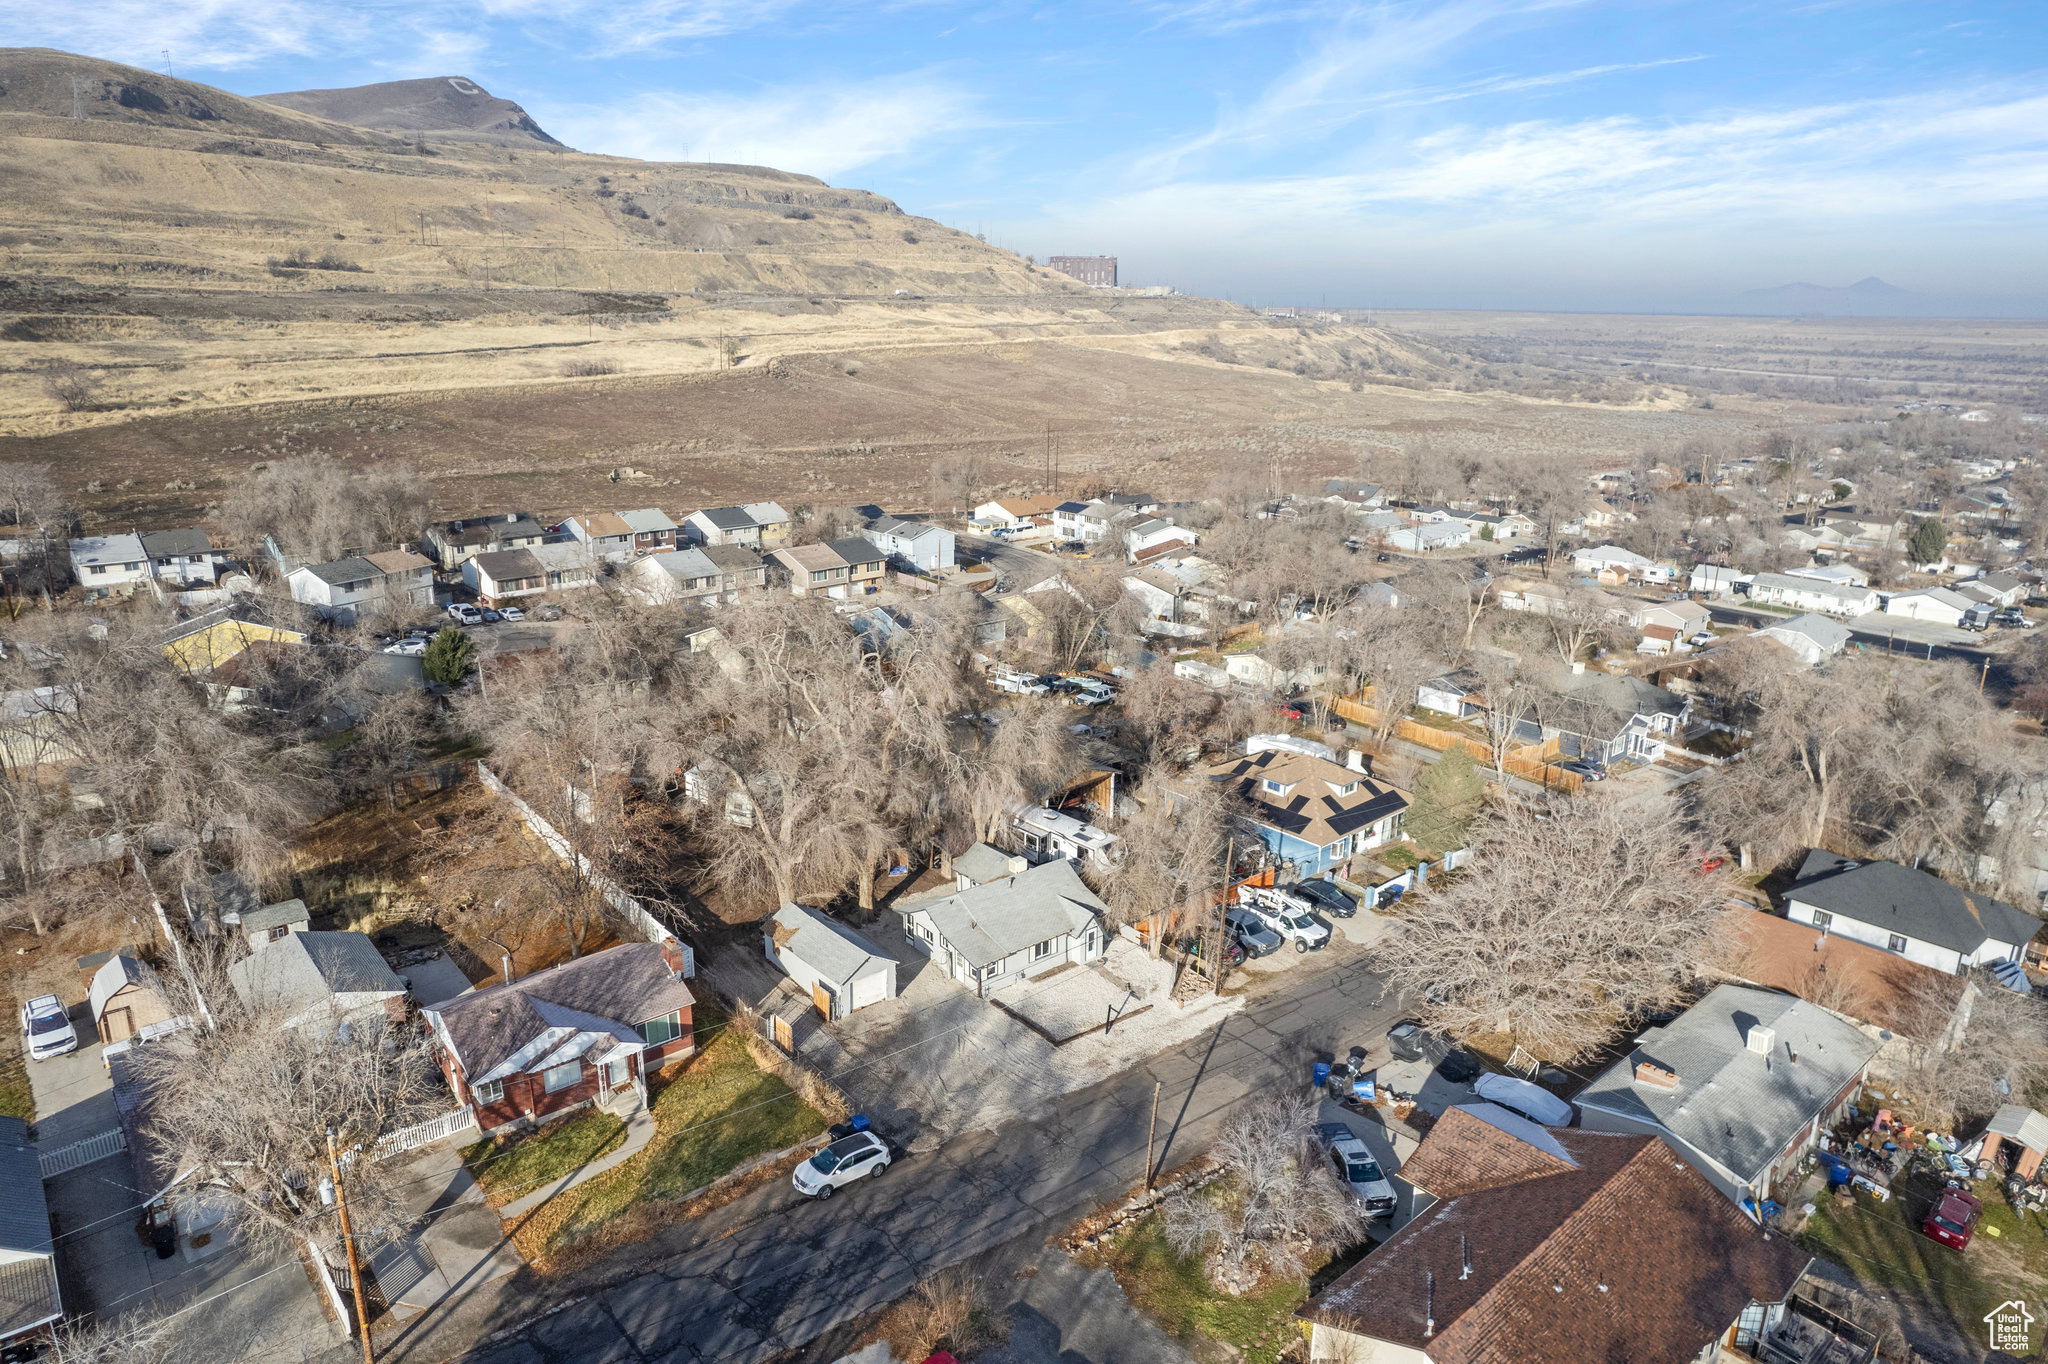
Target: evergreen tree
(1448, 797)
(1930, 538)
(450, 656)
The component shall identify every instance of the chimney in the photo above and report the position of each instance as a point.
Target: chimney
(1655, 1076)
(1760, 1039)
(1356, 761)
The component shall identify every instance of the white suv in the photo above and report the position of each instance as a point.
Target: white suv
(1356, 1167)
(860, 1156)
(46, 1027)
(465, 614)
(1286, 916)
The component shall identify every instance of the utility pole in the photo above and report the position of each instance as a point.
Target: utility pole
(355, 1271)
(1216, 949)
(1150, 1132)
(1982, 675)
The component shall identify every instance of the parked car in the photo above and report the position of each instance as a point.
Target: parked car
(1953, 1218)
(1588, 771)
(462, 613)
(1702, 639)
(1410, 1041)
(860, 1156)
(1197, 945)
(1252, 932)
(513, 614)
(46, 1028)
(1018, 684)
(1326, 897)
(1091, 694)
(411, 648)
(1289, 918)
(2013, 618)
(1525, 1097)
(1357, 1168)
(547, 610)
(492, 617)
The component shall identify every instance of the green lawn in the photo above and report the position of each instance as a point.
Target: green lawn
(1881, 1244)
(515, 1166)
(1176, 1294)
(16, 1099)
(718, 1111)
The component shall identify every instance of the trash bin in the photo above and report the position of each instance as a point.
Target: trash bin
(1322, 1073)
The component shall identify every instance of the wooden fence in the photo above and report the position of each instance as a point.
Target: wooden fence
(1530, 762)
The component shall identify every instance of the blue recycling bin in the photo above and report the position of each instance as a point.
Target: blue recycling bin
(1362, 1090)
(1322, 1073)
(859, 1123)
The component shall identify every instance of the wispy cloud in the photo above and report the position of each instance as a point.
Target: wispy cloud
(823, 131)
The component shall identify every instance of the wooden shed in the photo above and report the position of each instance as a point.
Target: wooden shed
(126, 997)
(2023, 1129)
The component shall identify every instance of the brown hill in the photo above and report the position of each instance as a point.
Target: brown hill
(85, 90)
(449, 107)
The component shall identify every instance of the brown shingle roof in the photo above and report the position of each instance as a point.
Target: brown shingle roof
(812, 558)
(1464, 1155)
(601, 524)
(1867, 984)
(398, 560)
(1630, 1256)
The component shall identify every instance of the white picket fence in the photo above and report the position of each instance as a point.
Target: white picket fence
(421, 1133)
(111, 1142)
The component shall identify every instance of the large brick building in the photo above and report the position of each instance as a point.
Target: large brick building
(1100, 270)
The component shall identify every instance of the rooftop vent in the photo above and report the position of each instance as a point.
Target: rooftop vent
(1761, 1039)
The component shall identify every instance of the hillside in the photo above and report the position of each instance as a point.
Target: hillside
(444, 106)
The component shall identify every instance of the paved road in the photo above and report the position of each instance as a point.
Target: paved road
(771, 1272)
(1020, 565)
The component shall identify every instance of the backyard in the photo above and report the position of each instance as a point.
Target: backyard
(720, 1110)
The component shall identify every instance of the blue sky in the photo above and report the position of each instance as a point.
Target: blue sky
(1477, 153)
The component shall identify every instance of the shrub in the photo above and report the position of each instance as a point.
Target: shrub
(72, 387)
(589, 369)
(910, 236)
(450, 657)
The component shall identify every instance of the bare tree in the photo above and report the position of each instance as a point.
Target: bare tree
(1506, 707)
(1172, 853)
(72, 386)
(1278, 1203)
(1564, 928)
(319, 509)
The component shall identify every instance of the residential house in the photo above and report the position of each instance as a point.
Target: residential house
(1429, 536)
(1016, 513)
(920, 544)
(184, 556)
(312, 975)
(1045, 834)
(1146, 538)
(1978, 595)
(408, 577)
(1611, 565)
(1375, 526)
(1685, 617)
(31, 1303)
(1904, 910)
(1814, 539)
(1845, 574)
(504, 575)
(1311, 813)
(568, 565)
(1499, 525)
(1000, 932)
(866, 563)
(607, 535)
(1812, 594)
(1085, 521)
(545, 1045)
(1716, 580)
(451, 542)
(1606, 717)
(2006, 589)
(1937, 605)
(1543, 1245)
(1261, 674)
(1454, 694)
(837, 967)
(653, 532)
(127, 1000)
(687, 576)
(1740, 1085)
(756, 525)
(1353, 495)
(208, 640)
(272, 923)
(982, 863)
(108, 564)
(841, 568)
(1815, 639)
(1138, 504)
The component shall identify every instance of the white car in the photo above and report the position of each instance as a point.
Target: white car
(411, 648)
(1357, 1168)
(46, 1025)
(1288, 917)
(465, 614)
(512, 613)
(1091, 694)
(860, 1156)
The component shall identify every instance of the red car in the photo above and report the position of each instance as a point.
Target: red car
(1953, 1218)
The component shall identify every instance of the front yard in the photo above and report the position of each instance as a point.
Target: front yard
(1938, 1290)
(718, 1111)
(1176, 1294)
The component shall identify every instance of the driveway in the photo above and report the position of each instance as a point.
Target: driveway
(770, 1272)
(74, 1098)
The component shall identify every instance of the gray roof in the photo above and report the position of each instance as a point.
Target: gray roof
(1831, 636)
(1734, 1105)
(509, 565)
(2016, 1122)
(686, 564)
(731, 558)
(836, 952)
(28, 1287)
(857, 549)
(339, 572)
(907, 530)
(1346, 487)
(307, 970)
(982, 863)
(160, 544)
(1618, 692)
(108, 549)
(1999, 582)
(1903, 900)
(727, 518)
(628, 985)
(647, 520)
(1789, 582)
(988, 922)
(275, 916)
(116, 974)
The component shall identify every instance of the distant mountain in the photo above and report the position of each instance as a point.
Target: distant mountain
(452, 107)
(1870, 297)
(40, 81)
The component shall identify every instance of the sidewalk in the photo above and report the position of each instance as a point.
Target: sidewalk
(639, 1131)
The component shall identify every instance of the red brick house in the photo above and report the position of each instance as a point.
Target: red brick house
(585, 1032)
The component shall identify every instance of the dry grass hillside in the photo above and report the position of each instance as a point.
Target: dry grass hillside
(222, 277)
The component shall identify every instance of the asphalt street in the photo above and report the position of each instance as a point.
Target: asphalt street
(770, 1271)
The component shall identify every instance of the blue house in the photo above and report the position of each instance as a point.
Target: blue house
(1312, 813)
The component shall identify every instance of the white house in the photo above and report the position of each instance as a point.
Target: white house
(1148, 537)
(1430, 535)
(105, 564)
(1453, 694)
(1844, 574)
(2004, 587)
(337, 588)
(922, 545)
(1935, 604)
(1814, 638)
(504, 575)
(1085, 521)
(1812, 594)
(1716, 580)
(1352, 494)
(1502, 525)
(755, 525)
(1612, 563)
(839, 969)
(607, 535)
(1686, 617)
(567, 565)
(1907, 912)
(184, 556)
(1045, 834)
(408, 577)
(1003, 931)
(1016, 513)
(665, 579)
(306, 974)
